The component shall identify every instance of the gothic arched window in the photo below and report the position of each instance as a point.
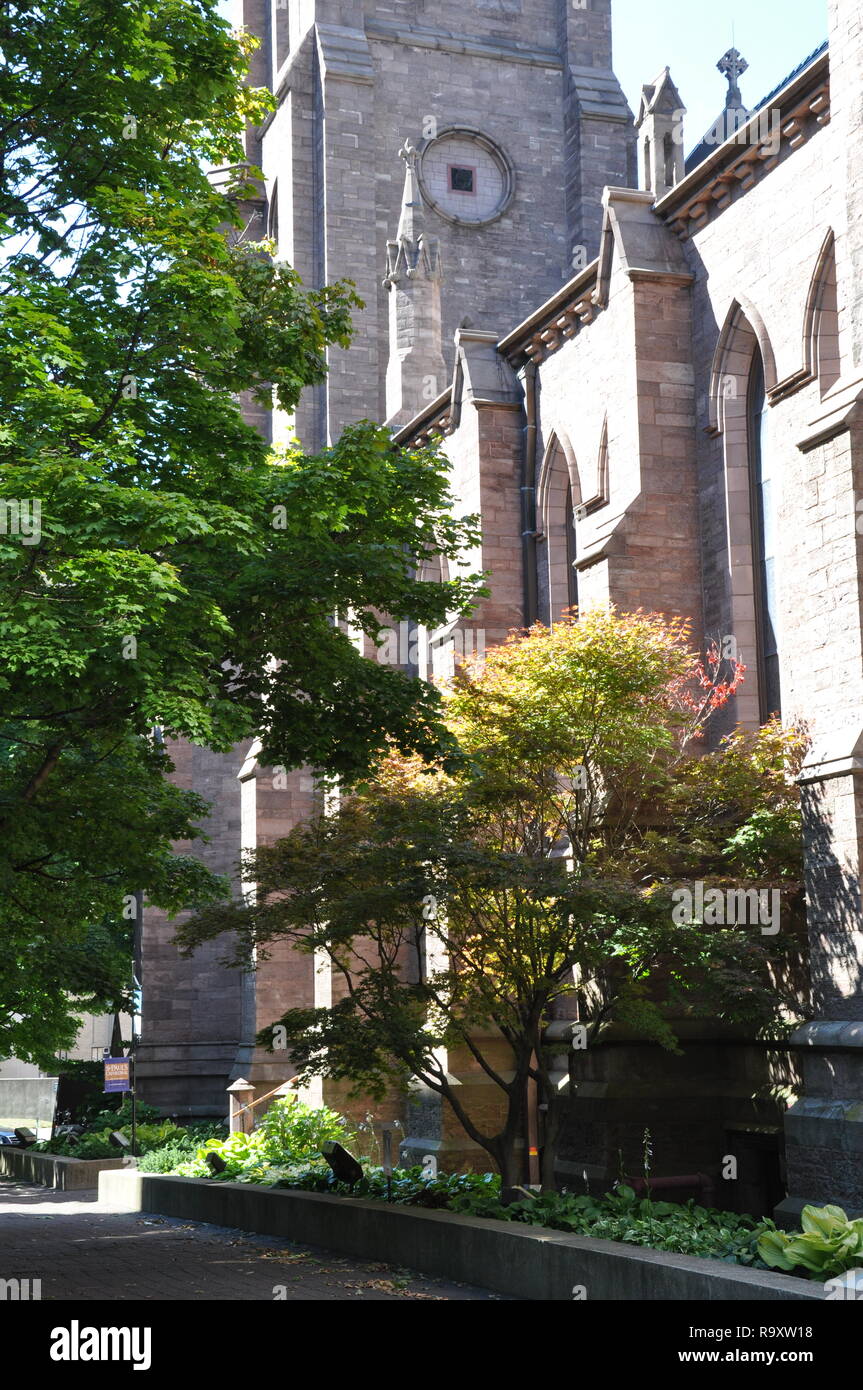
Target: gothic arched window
(282, 21)
(763, 507)
(558, 499)
(273, 216)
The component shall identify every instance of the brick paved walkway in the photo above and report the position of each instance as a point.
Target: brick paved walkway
(80, 1253)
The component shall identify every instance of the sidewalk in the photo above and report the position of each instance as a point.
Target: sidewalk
(80, 1253)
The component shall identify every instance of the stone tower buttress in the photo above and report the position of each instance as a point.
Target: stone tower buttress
(598, 129)
(416, 371)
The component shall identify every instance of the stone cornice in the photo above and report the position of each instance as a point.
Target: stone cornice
(599, 95)
(647, 254)
(481, 378)
(555, 321)
(445, 41)
(434, 421)
(744, 159)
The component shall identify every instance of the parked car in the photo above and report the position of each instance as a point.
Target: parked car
(7, 1136)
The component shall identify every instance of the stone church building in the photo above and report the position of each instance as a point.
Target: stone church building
(645, 369)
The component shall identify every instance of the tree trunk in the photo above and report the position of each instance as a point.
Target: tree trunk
(510, 1172)
(553, 1125)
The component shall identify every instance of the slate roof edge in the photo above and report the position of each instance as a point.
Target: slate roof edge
(793, 87)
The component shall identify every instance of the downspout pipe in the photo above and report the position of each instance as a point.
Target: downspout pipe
(527, 376)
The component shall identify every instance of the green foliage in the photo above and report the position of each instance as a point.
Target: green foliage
(115, 1118)
(197, 1132)
(546, 853)
(409, 1186)
(289, 1136)
(295, 1132)
(163, 1148)
(154, 1136)
(165, 1159)
(621, 1215)
(179, 577)
(242, 1153)
(828, 1244)
(89, 1146)
(96, 1142)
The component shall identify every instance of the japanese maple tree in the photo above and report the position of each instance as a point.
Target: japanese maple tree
(464, 910)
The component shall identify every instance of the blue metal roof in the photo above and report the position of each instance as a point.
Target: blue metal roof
(822, 48)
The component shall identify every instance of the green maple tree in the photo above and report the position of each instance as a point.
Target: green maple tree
(160, 567)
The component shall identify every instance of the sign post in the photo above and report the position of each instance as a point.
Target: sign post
(120, 1076)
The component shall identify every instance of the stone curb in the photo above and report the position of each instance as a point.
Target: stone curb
(52, 1170)
(532, 1264)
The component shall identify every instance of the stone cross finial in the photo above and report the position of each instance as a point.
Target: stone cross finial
(732, 66)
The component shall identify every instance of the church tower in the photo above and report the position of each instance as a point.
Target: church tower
(511, 122)
(518, 123)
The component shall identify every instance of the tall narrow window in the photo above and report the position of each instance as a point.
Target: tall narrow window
(668, 157)
(572, 573)
(273, 216)
(281, 24)
(763, 502)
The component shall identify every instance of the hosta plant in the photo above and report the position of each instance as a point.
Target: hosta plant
(96, 1143)
(829, 1244)
(290, 1136)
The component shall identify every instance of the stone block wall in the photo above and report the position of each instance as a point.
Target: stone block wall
(361, 80)
(641, 389)
(198, 1015)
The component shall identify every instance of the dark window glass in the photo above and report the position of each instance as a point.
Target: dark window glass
(668, 153)
(763, 510)
(461, 180)
(572, 572)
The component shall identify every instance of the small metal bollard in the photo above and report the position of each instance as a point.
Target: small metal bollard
(240, 1096)
(387, 1129)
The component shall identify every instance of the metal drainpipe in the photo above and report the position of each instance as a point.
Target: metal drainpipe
(527, 376)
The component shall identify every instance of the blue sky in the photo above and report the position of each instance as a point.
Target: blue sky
(690, 36)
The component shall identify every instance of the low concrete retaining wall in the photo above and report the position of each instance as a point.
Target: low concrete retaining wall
(521, 1261)
(53, 1171)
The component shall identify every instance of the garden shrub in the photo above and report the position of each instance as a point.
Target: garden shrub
(96, 1143)
(285, 1151)
(290, 1136)
(91, 1146)
(684, 1229)
(122, 1115)
(164, 1160)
